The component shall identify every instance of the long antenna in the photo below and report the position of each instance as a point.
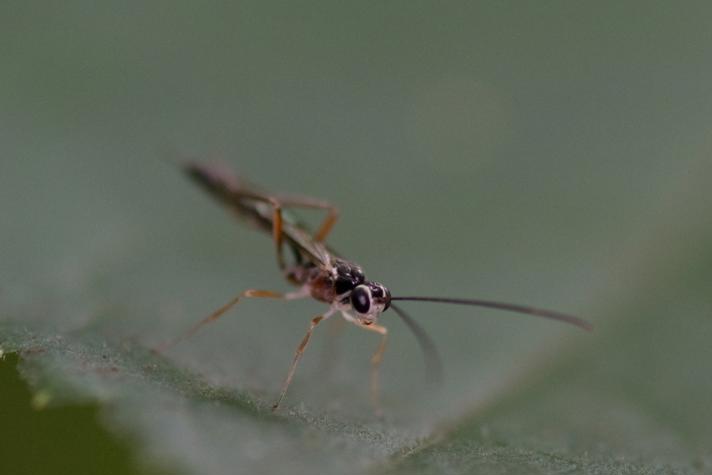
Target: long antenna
(562, 317)
(433, 363)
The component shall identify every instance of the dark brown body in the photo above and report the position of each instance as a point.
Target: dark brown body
(319, 273)
(314, 264)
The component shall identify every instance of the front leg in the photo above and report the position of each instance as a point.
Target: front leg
(298, 356)
(250, 293)
(376, 359)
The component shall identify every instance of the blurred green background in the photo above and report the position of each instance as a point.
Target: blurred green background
(552, 153)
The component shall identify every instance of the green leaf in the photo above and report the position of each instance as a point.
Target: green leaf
(547, 153)
(70, 438)
(636, 399)
(167, 410)
(630, 398)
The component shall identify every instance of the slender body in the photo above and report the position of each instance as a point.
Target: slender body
(317, 270)
(320, 273)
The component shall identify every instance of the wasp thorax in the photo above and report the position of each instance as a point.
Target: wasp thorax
(348, 276)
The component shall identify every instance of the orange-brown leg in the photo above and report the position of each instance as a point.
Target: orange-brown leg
(278, 203)
(332, 213)
(277, 231)
(376, 360)
(236, 193)
(302, 202)
(298, 356)
(327, 224)
(250, 293)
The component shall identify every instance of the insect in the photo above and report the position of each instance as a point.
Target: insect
(320, 273)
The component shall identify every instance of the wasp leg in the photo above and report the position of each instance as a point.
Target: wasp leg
(298, 356)
(278, 203)
(250, 293)
(277, 231)
(232, 191)
(332, 212)
(376, 360)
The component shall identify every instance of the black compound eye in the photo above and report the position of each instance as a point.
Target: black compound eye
(361, 299)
